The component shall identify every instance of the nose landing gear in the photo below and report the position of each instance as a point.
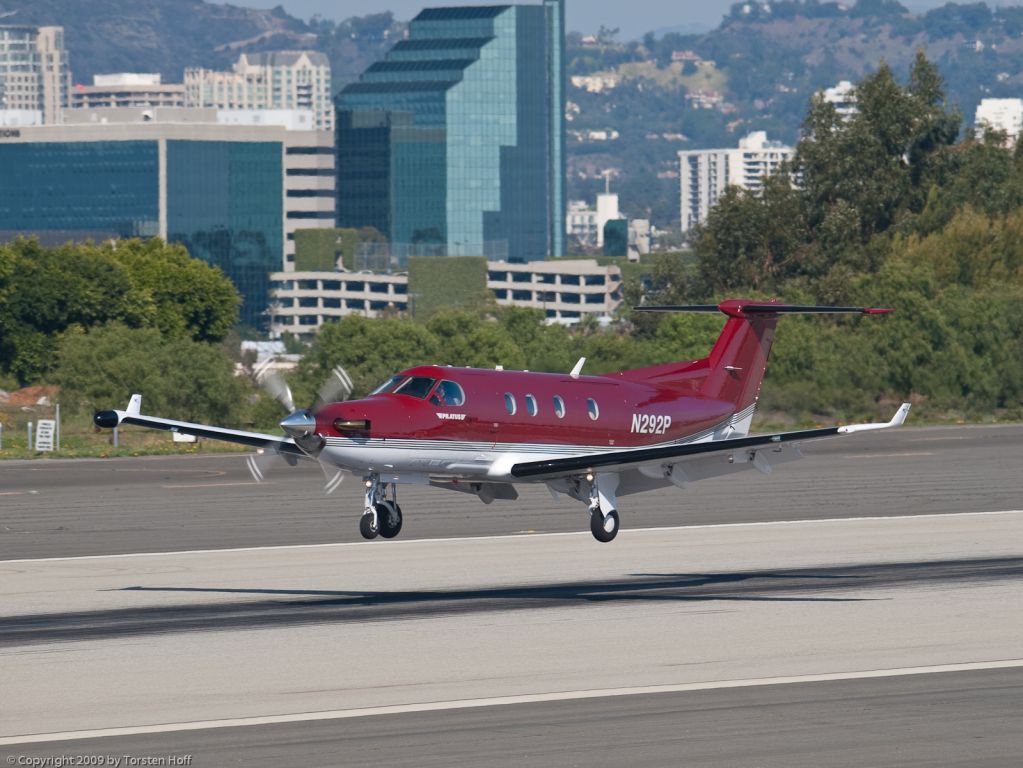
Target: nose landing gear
(382, 516)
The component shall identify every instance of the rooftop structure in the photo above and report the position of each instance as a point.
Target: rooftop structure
(127, 89)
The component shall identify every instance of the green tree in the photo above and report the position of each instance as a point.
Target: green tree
(177, 377)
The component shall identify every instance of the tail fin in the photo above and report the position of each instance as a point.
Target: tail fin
(736, 365)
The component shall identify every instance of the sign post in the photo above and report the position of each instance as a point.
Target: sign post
(45, 429)
(30, 425)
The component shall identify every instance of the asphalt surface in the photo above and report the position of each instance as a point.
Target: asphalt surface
(57, 508)
(891, 555)
(957, 719)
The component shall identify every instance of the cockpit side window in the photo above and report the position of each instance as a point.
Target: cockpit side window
(416, 386)
(388, 386)
(448, 393)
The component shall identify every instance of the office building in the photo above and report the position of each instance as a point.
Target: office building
(565, 290)
(127, 89)
(705, 174)
(230, 192)
(1005, 115)
(34, 71)
(278, 80)
(454, 143)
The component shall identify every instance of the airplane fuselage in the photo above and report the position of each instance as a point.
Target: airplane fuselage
(478, 422)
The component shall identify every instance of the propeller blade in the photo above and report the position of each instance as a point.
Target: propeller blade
(260, 463)
(333, 481)
(278, 389)
(336, 388)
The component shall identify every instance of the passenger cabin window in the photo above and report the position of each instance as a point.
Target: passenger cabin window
(509, 403)
(417, 386)
(559, 407)
(531, 405)
(448, 393)
(592, 409)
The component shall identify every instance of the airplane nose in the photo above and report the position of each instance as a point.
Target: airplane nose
(299, 424)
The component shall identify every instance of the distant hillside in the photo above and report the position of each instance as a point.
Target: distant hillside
(758, 71)
(166, 36)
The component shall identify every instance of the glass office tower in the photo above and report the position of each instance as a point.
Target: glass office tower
(222, 199)
(454, 143)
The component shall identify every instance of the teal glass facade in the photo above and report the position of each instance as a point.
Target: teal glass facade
(454, 144)
(225, 200)
(78, 190)
(225, 205)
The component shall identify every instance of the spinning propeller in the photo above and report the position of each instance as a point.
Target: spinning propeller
(300, 425)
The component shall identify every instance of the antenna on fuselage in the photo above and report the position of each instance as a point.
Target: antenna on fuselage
(578, 368)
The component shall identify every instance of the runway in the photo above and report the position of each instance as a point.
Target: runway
(863, 613)
(59, 508)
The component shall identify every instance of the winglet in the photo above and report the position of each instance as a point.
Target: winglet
(897, 421)
(134, 406)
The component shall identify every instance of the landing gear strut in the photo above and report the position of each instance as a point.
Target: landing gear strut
(604, 520)
(382, 515)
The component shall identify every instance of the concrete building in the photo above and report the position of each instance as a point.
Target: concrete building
(232, 193)
(587, 224)
(705, 174)
(34, 71)
(278, 80)
(127, 89)
(455, 142)
(566, 290)
(1004, 115)
(843, 98)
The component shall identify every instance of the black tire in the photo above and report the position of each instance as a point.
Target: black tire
(599, 525)
(367, 527)
(389, 519)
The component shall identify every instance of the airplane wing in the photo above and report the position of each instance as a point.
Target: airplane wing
(616, 461)
(133, 415)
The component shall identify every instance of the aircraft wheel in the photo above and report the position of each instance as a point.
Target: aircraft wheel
(604, 527)
(368, 527)
(389, 519)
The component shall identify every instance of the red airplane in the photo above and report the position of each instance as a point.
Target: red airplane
(592, 438)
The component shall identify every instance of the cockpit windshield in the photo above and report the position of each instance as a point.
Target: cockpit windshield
(388, 386)
(416, 386)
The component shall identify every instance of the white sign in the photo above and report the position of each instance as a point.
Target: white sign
(180, 438)
(45, 429)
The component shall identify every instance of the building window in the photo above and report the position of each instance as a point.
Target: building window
(332, 285)
(592, 408)
(332, 303)
(559, 407)
(531, 408)
(307, 301)
(509, 403)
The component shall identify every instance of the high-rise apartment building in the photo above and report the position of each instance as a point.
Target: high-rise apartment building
(34, 71)
(278, 80)
(1005, 115)
(454, 144)
(706, 173)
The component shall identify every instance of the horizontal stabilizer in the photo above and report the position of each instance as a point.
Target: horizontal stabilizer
(742, 307)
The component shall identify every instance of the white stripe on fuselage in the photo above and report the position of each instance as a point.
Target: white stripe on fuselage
(491, 460)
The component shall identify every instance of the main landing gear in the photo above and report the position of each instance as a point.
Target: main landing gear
(604, 520)
(382, 515)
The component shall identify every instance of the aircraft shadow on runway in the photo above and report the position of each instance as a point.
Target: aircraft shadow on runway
(295, 607)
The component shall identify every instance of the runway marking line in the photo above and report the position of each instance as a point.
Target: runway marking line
(498, 701)
(412, 542)
(210, 485)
